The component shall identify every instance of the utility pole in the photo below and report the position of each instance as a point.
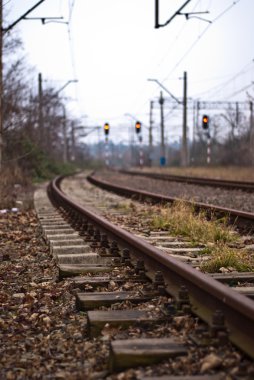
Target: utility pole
(236, 114)
(73, 142)
(162, 154)
(40, 93)
(150, 134)
(193, 134)
(251, 115)
(64, 136)
(151, 125)
(184, 138)
(208, 149)
(99, 143)
(1, 84)
(251, 134)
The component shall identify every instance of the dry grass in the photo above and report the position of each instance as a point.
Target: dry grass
(180, 219)
(12, 184)
(125, 206)
(223, 256)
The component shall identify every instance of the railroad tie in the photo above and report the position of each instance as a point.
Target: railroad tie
(131, 353)
(69, 270)
(91, 301)
(99, 319)
(81, 281)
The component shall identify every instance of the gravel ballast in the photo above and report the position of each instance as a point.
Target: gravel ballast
(234, 199)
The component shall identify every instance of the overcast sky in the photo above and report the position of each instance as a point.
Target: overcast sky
(112, 48)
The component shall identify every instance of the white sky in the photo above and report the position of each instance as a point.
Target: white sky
(113, 48)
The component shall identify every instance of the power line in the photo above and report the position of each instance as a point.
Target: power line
(176, 38)
(241, 90)
(71, 8)
(71, 49)
(199, 37)
(6, 3)
(169, 49)
(222, 85)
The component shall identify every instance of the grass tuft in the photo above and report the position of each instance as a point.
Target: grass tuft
(181, 219)
(226, 257)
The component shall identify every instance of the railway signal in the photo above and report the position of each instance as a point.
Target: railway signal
(138, 127)
(106, 129)
(205, 122)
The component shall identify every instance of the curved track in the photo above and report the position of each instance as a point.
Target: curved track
(205, 294)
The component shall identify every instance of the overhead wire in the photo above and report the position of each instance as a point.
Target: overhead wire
(6, 2)
(197, 40)
(71, 8)
(239, 91)
(200, 36)
(171, 45)
(222, 85)
(71, 5)
(170, 112)
(176, 38)
(192, 46)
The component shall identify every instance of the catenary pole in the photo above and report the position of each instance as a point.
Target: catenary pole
(40, 93)
(162, 155)
(251, 133)
(184, 137)
(150, 134)
(65, 147)
(151, 125)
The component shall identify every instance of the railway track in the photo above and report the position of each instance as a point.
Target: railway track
(228, 184)
(244, 220)
(147, 286)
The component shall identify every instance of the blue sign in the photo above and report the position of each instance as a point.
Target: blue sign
(162, 161)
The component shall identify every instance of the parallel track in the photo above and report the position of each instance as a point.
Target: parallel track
(206, 295)
(244, 220)
(227, 184)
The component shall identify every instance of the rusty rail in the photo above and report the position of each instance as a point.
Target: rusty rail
(243, 220)
(228, 184)
(206, 294)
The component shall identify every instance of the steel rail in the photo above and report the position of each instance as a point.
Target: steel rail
(206, 294)
(229, 184)
(241, 219)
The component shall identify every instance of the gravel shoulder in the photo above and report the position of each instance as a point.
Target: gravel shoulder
(41, 333)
